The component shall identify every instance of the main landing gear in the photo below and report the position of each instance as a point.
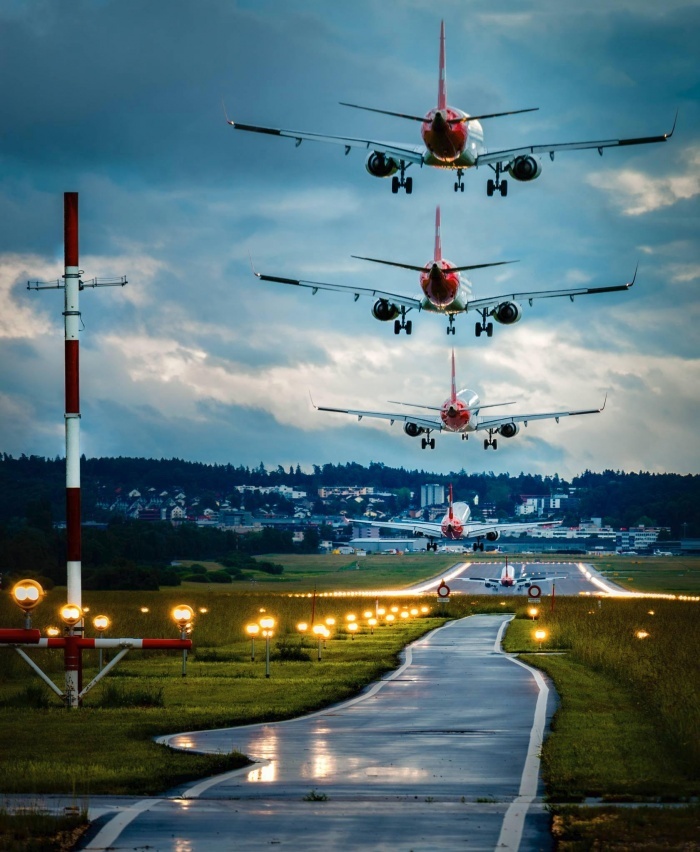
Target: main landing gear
(403, 181)
(427, 442)
(478, 545)
(497, 185)
(451, 327)
(431, 545)
(459, 183)
(403, 323)
(483, 325)
(491, 441)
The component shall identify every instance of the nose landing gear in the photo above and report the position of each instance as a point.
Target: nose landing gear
(399, 182)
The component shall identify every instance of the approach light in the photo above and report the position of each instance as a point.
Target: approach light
(101, 623)
(203, 610)
(52, 631)
(330, 621)
(405, 613)
(533, 612)
(425, 609)
(27, 594)
(252, 630)
(651, 612)
(182, 615)
(414, 611)
(267, 623)
(352, 627)
(641, 634)
(144, 609)
(540, 635)
(394, 609)
(368, 613)
(381, 610)
(71, 614)
(302, 627)
(319, 630)
(350, 617)
(390, 617)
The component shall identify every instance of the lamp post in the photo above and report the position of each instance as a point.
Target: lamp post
(540, 635)
(183, 615)
(302, 627)
(533, 612)
(267, 624)
(390, 617)
(100, 623)
(252, 630)
(72, 615)
(372, 624)
(321, 631)
(352, 627)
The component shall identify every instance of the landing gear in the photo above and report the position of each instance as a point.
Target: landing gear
(427, 443)
(398, 182)
(491, 441)
(431, 545)
(403, 323)
(497, 185)
(451, 327)
(478, 545)
(483, 325)
(459, 183)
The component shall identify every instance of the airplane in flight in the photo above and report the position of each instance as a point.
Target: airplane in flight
(452, 139)
(461, 412)
(456, 525)
(508, 580)
(446, 292)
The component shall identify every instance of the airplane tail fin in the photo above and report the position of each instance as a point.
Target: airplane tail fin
(442, 92)
(453, 390)
(451, 513)
(437, 257)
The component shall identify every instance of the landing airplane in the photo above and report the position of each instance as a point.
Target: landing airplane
(456, 525)
(453, 140)
(507, 579)
(446, 292)
(459, 413)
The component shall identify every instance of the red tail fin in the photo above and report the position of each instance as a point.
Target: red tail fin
(454, 381)
(442, 91)
(438, 242)
(451, 513)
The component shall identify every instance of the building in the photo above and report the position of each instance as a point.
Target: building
(432, 495)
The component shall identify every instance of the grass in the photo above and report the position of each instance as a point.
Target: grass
(35, 830)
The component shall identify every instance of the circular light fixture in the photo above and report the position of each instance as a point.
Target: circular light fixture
(267, 623)
(27, 594)
(302, 627)
(52, 631)
(182, 615)
(252, 629)
(101, 623)
(71, 614)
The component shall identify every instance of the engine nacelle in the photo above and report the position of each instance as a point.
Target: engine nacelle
(525, 168)
(509, 430)
(413, 429)
(381, 166)
(384, 311)
(494, 535)
(507, 313)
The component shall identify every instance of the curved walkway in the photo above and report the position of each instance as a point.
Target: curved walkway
(442, 754)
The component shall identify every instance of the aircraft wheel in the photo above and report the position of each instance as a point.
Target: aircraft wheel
(489, 330)
(489, 187)
(395, 185)
(409, 186)
(432, 443)
(422, 443)
(456, 187)
(461, 186)
(409, 326)
(486, 444)
(494, 444)
(504, 188)
(481, 546)
(397, 326)
(477, 329)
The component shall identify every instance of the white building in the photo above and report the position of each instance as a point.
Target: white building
(432, 495)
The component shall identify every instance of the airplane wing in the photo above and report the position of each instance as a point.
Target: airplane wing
(509, 154)
(472, 530)
(408, 153)
(432, 423)
(480, 529)
(493, 301)
(407, 302)
(528, 580)
(495, 422)
(425, 528)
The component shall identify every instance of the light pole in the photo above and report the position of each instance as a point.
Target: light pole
(72, 615)
(267, 623)
(321, 631)
(252, 630)
(100, 623)
(533, 612)
(352, 627)
(302, 627)
(372, 624)
(540, 635)
(183, 615)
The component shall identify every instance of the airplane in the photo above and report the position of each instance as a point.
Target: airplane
(453, 140)
(507, 579)
(446, 292)
(459, 413)
(456, 525)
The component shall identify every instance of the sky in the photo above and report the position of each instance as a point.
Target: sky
(121, 101)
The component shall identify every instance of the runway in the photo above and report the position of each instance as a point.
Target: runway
(442, 754)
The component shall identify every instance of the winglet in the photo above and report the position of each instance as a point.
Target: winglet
(669, 135)
(604, 401)
(634, 277)
(256, 274)
(312, 400)
(228, 120)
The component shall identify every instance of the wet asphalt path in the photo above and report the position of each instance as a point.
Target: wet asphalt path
(441, 755)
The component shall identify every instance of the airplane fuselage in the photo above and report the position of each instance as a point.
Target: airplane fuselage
(452, 526)
(444, 292)
(458, 414)
(451, 146)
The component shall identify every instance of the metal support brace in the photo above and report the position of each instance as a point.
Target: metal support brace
(47, 680)
(110, 665)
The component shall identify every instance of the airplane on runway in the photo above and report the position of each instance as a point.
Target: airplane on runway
(456, 525)
(459, 413)
(445, 292)
(453, 140)
(507, 579)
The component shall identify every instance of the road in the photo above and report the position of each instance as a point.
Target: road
(442, 754)
(580, 578)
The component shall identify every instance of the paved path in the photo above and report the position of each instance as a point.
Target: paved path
(441, 755)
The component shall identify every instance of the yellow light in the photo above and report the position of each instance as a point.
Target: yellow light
(372, 622)
(641, 634)
(368, 614)
(52, 631)
(302, 627)
(182, 614)
(319, 629)
(651, 612)
(350, 616)
(533, 612)
(267, 633)
(381, 611)
(352, 627)
(394, 609)
(503, 603)
(27, 594)
(540, 635)
(252, 629)
(390, 617)
(425, 609)
(414, 611)
(203, 610)
(267, 623)
(86, 609)
(405, 614)
(330, 621)
(100, 622)
(71, 614)
(144, 609)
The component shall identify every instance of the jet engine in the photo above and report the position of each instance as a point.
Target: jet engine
(413, 429)
(507, 313)
(493, 536)
(381, 166)
(384, 311)
(509, 430)
(525, 168)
